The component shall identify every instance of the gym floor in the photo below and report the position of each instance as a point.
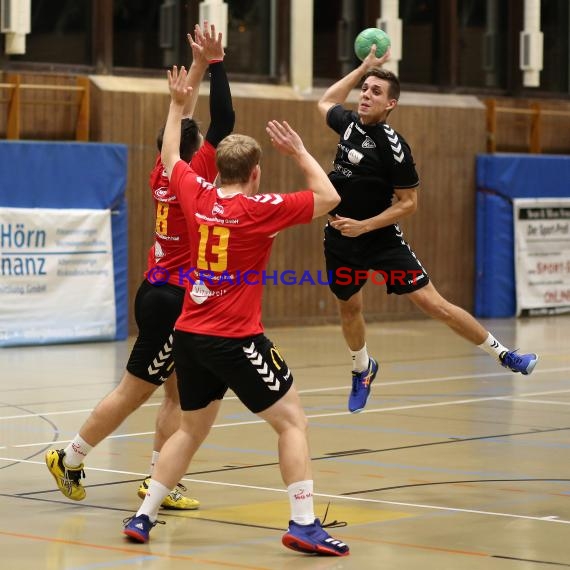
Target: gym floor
(455, 462)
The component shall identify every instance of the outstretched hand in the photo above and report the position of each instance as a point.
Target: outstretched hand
(178, 85)
(206, 43)
(198, 57)
(372, 61)
(284, 138)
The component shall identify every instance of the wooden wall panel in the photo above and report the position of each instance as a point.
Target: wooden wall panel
(45, 114)
(445, 140)
(513, 131)
(133, 119)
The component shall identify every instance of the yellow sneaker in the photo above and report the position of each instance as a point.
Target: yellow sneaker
(174, 500)
(68, 479)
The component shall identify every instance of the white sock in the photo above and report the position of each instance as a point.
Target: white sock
(76, 451)
(360, 359)
(301, 501)
(493, 347)
(153, 461)
(154, 497)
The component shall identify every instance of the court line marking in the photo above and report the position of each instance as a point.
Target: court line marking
(318, 390)
(327, 415)
(550, 518)
(154, 555)
(144, 556)
(548, 402)
(135, 551)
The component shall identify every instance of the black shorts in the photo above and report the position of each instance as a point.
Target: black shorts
(156, 309)
(207, 366)
(351, 262)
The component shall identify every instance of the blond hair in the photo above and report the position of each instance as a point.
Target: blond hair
(236, 157)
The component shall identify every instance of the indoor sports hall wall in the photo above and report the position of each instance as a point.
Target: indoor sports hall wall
(445, 133)
(63, 242)
(502, 179)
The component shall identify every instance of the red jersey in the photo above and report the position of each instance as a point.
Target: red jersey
(232, 237)
(171, 249)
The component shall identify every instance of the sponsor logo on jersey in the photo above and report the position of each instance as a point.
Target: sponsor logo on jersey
(217, 210)
(359, 129)
(345, 171)
(354, 156)
(165, 237)
(199, 292)
(348, 132)
(163, 194)
(158, 252)
(215, 220)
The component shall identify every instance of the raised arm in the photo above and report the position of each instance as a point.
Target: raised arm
(180, 91)
(338, 92)
(222, 116)
(196, 71)
(288, 142)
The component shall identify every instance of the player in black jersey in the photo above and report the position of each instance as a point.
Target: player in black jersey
(375, 176)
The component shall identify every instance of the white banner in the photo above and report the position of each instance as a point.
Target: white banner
(542, 255)
(56, 276)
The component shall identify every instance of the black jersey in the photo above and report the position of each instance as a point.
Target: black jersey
(371, 162)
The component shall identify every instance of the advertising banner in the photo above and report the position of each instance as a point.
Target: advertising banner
(542, 255)
(56, 276)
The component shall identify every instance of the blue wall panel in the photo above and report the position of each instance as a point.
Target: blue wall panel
(36, 174)
(500, 178)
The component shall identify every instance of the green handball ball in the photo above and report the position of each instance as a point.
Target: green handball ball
(366, 38)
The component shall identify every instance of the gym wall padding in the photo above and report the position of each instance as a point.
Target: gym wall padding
(69, 175)
(500, 178)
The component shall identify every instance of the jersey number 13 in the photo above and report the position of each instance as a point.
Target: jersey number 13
(214, 246)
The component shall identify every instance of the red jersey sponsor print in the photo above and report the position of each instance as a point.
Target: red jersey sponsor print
(231, 235)
(171, 248)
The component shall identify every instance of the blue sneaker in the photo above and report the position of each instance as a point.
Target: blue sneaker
(361, 383)
(523, 363)
(312, 539)
(138, 528)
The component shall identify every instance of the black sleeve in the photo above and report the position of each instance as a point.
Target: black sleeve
(338, 118)
(404, 174)
(222, 116)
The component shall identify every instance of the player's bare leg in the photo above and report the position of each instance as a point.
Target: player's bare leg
(364, 368)
(460, 321)
(167, 423)
(305, 532)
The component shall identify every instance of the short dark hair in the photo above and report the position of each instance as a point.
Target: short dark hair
(189, 139)
(391, 78)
